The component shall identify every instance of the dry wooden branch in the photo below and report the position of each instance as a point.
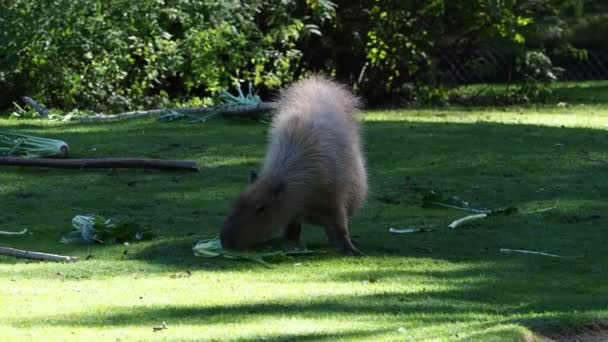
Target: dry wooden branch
(247, 111)
(18, 253)
(102, 163)
(39, 108)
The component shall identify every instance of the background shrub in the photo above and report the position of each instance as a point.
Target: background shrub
(112, 55)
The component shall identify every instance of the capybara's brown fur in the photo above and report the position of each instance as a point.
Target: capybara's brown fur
(314, 171)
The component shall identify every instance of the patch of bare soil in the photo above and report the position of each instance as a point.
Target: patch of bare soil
(597, 332)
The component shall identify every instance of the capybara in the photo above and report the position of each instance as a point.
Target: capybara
(314, 170)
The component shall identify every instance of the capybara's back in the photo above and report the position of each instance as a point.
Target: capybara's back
(314, 171)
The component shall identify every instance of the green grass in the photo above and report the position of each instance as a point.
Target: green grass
(588, 92)
(441, 285)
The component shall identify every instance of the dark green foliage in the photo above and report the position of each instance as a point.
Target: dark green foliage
(538, 73)
(118, 55)
(113, 55)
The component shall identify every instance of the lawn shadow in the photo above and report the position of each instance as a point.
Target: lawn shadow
(487, 294)
(369, 333)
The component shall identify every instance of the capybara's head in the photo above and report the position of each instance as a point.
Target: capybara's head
(255, 215)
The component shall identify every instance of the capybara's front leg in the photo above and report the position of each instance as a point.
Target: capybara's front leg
(337, 232)
(293, 231)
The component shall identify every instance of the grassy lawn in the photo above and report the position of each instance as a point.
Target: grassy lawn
(441, 285)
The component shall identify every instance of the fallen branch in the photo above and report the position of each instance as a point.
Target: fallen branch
(253, 111)
(2, 232)
(18, 253)
(43, 111)
(102, 163)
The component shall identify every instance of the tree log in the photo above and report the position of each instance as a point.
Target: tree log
(247, 111)
(39, 108)
(251, 111)
(102, 163)
(18, 253)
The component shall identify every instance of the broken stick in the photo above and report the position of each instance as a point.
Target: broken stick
(18, 253)
(102, 163)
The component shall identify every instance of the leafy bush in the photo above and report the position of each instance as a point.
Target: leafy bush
(120, 54)
(406, 40)
(538, 73)
(109, 55)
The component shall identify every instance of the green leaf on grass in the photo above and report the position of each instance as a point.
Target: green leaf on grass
(211, 248)
(21, 145)
(89, 229)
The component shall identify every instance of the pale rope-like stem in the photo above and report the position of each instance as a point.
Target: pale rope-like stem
(484, 215)
(18, 253)
(508, 250)
(467, 219)
(408, 230)
(2, 232)
(403, 231)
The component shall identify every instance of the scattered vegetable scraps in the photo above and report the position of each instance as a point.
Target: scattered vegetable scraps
(211, 248)
(20, 145)
(89, 229)
(434, 199)
(226, 100)
(408, 230)
(162, 326)
(2, 232)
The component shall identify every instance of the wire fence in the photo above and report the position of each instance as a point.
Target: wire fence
(495, 65)
(594, 67)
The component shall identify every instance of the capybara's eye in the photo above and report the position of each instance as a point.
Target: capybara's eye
(260, 209)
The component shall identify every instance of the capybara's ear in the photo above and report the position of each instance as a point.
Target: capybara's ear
(253, 175)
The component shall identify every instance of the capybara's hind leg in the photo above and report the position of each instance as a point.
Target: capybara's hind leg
(292, 231)
(331, 236)
(337, 232)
